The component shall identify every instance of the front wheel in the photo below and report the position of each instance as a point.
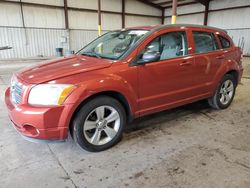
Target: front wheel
(224, 94)
(99, 124)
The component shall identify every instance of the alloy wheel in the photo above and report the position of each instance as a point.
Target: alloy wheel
(101, 125)
(226, 92)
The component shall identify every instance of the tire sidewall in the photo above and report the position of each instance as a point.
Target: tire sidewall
(78, 124)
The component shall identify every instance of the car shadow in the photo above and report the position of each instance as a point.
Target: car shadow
(168, 115)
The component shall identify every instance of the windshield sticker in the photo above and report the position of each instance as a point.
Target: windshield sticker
(136, 32)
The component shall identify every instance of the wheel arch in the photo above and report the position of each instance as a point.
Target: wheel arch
(235, 74)
(114, 94)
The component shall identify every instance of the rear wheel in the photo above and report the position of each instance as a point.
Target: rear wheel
(224, 94)
(99, 124)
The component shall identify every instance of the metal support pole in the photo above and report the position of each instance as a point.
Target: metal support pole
(99, 18)
(21, 6)
(23, 22)
(66, 19)
(162, 15)
(66, 14)
(174, 11)
(123, 13)
(206, 13)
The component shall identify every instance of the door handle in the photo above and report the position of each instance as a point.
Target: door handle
(220, 57)
(186, 63)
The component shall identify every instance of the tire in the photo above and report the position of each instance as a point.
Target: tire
(99, 124)
(223, 97)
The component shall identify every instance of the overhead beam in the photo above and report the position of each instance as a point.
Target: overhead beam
(164, 2)
(151, 4)
(214, 10)
(76, 9)
(187, 14)
(203, 2)
(179, 5)
(167, 2)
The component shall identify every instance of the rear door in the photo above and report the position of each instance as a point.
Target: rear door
(208, 59)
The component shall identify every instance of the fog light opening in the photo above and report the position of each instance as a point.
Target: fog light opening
(30, 129)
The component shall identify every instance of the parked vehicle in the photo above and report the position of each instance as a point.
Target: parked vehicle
(122, 75)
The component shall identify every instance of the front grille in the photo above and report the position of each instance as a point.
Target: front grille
(16, 92)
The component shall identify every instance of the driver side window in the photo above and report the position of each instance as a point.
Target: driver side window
(170, 45)
(173, 45)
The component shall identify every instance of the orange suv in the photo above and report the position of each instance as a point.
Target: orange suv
(122, 75)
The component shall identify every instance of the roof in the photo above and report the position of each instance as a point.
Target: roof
(158, 27)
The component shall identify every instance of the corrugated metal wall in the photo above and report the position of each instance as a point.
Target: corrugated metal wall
(32, 42)
(188, 19)
(84, 36)
(241, 37)
(235, 21)
(45, 26)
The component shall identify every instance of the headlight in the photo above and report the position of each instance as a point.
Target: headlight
(49, 94)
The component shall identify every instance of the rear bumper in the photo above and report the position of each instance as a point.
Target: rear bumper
(45, 123)
(240, 74)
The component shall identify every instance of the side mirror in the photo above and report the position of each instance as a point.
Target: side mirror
(149, 56)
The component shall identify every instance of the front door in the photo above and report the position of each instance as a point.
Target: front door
(167, 81)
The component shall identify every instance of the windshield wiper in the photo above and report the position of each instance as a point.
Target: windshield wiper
(92, 54)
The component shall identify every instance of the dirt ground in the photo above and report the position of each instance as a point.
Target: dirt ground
(192, 147)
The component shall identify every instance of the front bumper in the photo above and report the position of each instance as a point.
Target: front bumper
(45, 123)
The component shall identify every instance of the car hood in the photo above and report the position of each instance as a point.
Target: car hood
(61, 67)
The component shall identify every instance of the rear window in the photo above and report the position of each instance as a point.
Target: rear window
(225, 43)
(204, 42)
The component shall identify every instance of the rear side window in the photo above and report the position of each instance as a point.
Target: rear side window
(225, 43)
(204, 42)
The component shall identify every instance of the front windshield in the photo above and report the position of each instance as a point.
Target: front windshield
(113, 45)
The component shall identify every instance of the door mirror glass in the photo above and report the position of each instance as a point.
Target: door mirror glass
(149, 56)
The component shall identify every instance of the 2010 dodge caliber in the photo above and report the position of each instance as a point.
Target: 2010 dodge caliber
(123, 74)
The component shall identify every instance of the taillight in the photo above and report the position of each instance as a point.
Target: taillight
(241, 56)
